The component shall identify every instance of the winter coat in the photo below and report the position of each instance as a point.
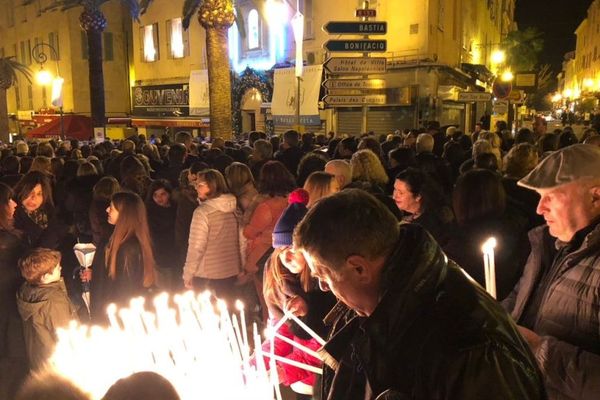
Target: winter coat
(290, 157)
(128, 281)
(510, 231)
(11, 249)
(43, 309)
(259, 230)
(161, 221)
(35, 236)
(567, 319)
(99, 226)
(214, 247)
(187, 202)
(77, 205)
(433, 335)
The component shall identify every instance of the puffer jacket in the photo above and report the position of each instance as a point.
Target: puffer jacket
(43, 309)
(213, 246)
(434, 335)
(568, 319)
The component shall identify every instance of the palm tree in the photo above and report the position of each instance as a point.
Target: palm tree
(93, 22)
(9, 70)
(216, 17)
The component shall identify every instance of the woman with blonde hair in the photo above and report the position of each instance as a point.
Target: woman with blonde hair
(42, 164)
(367, 167)
(320, 184)
(128, 259)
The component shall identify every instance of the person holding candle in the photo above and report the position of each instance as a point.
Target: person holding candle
(556, 301)
(288, 287)
(413, 323)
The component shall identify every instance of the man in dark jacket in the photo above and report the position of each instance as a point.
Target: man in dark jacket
(556, 301)
(417, 326)
(290, 153)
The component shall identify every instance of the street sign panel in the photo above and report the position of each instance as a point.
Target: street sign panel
(356, 46)
(355, 28)
(500, 107)
(366, 13)
(370, 99)
(356, 65)
(468, 97)
(333, 84)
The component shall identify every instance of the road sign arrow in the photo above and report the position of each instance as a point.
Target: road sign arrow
(356, 28)
(333, 84)
(370, 99)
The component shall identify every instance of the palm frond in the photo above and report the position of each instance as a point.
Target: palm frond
(10, 68)
(144, 4)
(189, 10)
(68, 4)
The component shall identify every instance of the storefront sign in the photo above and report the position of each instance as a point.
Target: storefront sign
(161, 100)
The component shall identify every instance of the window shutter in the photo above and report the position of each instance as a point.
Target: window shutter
(168, 38)
(84, 46)
(108, 47)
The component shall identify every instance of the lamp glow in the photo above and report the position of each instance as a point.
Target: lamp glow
(507, 76)
(298, 28)
(498, 57)
(57, 92)
(43, 77)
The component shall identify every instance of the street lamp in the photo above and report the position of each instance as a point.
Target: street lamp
(44, 78)
(507, 76)
(498, 57)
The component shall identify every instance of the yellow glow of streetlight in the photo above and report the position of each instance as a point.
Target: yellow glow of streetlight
(568, 93)
(507, 76)
(588, 83)
(43, 77)
(556, 98)
(498, 57)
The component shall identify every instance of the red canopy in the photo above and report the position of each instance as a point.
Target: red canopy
(75, 127)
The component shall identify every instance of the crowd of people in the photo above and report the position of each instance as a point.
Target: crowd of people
(294, 223)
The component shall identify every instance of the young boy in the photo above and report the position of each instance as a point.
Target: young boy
(43, 303)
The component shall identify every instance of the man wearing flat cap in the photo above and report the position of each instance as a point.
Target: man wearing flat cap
(557, 300)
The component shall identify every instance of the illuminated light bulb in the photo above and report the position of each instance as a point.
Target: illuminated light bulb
(43, 77)
(498, 57)
(507, 76)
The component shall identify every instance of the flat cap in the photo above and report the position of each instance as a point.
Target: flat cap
(575, 162)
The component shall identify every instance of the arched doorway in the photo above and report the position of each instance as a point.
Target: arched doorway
(252, 119)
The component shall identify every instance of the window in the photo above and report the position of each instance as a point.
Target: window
(177, 39)
(10, 14)
(253, 30)
(149, 42)
(53, 41)
(26, 52)
(441, 13)
(1, 52)
(107, 46)
(30, 97)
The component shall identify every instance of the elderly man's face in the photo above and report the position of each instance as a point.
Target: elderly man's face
(567, 209)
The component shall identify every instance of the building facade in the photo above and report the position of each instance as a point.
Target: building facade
(22, 28)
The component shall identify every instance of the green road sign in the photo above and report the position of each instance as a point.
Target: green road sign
(355, 28)
(356, 46)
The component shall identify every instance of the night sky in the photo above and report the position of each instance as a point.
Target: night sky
(558, 19)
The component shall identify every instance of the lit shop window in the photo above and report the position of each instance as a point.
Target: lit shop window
(253, 30)
(149, 36)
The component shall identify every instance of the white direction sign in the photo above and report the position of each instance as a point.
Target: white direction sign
(356, 65)
(369, 99)
(333, 84)
(474, 96)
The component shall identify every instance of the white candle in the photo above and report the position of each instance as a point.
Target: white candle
(240, 306)
(306, 328)
(489, 266)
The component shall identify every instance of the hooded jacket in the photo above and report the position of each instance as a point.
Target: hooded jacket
(213, 246)
(43, 309)
(434, 335)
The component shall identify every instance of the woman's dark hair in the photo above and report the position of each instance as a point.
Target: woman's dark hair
(478, 193)
(310, 163)
(524, 135)
(567, 138)
(486, 161)
(275, 179)
(404, 156)
(105, 188)
(29, 181)
(548, 142)
(144, 385)
(6, 195)
(422, 184)
(158, 184)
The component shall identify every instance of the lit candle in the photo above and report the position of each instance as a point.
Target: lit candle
(489, 265)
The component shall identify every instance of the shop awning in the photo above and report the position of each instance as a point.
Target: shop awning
(172, 122)
(478, 71)
(74, 126)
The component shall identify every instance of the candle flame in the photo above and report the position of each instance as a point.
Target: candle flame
(489, 245)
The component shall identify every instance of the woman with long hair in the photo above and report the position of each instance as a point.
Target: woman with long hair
(213, 259)
(13, 357)
(162, 212)
(128, 267)
(241, 184)
(35, 215)
(102, 192)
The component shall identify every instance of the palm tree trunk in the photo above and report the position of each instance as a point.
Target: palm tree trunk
(219, 82)
(3, 116)
(96, 75)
